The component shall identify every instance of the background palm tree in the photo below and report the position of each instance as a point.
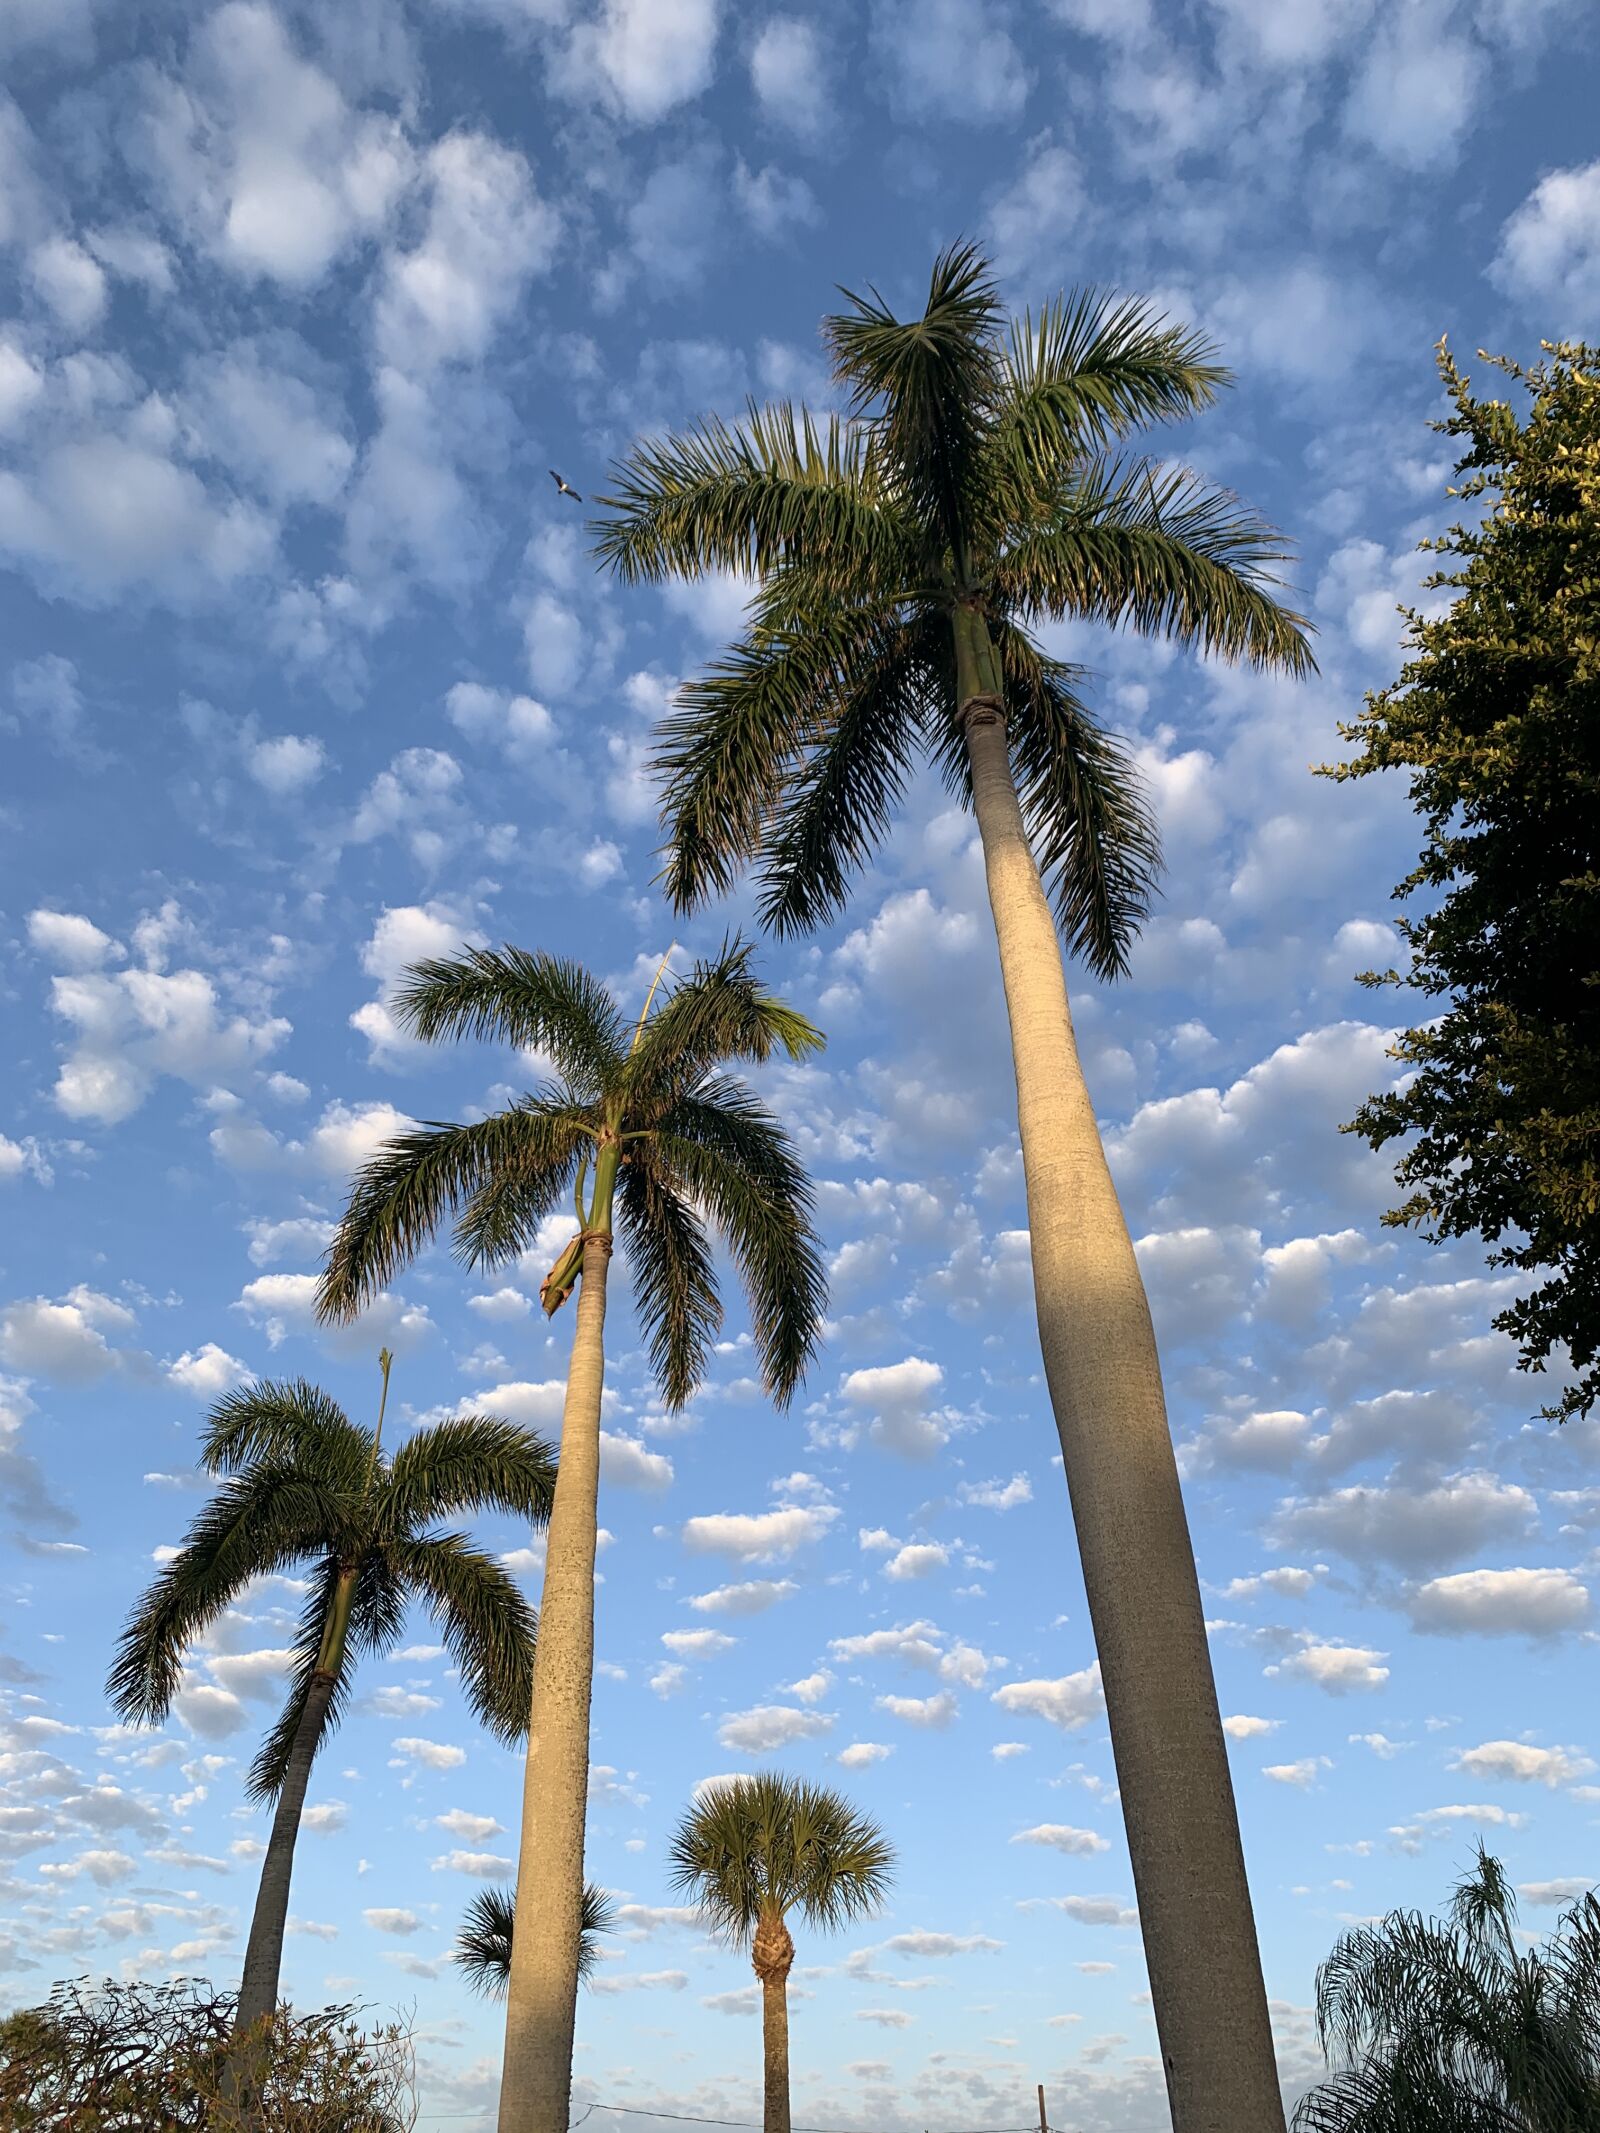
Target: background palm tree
(653, 1130)
(752, 1850)
(901, 560)
(303, 1485)
(1451, 2027)
(483, 1945)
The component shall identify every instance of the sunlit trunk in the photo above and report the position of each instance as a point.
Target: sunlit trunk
(542, 1992)
(772, 1954)
(1104, 1379)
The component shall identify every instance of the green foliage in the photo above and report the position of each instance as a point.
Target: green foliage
(974, 469)
(691, 1143)
(483, 1945)
(1454, 2027)
(305, 1487)
(1496, 716)
(763, 1846)
(150, 2058)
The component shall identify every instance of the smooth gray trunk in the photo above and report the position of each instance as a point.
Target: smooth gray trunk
(542, 1991)
(1104, 1379)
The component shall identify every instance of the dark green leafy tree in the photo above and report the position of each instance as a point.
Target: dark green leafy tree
(1453, 2027)
(758, 1850)
(1496, 716)
(902, 560)
(647, 1131)
(304, 1489)
(483, 1945)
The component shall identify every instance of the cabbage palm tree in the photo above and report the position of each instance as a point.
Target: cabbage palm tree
(901, 560)
(752, 1850)
(305, 1488)
(483, 1945)
(649, 1132)
(1452, 2027)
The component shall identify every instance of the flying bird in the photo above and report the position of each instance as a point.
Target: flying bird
(564, 488)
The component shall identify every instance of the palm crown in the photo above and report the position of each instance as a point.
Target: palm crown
(303, 1484)
(1452, 2027)
(483, 1945)
(976, 469)
(759, 1847)
(685, 1143)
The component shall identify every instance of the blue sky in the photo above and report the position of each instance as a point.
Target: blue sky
(306, 673)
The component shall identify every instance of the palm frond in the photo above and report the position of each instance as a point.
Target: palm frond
(716, 1011)
(779, 487)
(723, 1149)
(505, 1173)
(541, 1003)
(264, 1520)
(772, 1843)
(487, 1626)
(1089, 368)
(928, 386)
(728, 744)
(469, 1463)
(1166, 553)
(674, 1287)
(1084, 804)
(285, 1420)
(483, 1945)
(839, 796)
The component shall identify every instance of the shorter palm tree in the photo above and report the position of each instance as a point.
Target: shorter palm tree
(304, 1486)
(751, 1851)
(483, 1946)
(1452, 2027)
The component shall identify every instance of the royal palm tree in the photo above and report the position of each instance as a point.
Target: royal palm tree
(483, 1945)
(1452, 2027)
(651, 1131)
(304, 1487)
(752, 1850)
(901, 559)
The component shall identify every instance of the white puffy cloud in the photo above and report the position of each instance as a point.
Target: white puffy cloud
(1045, 206)
(286, 764)
(930, 1712)
(1069, 1701)
(519, 726)
(487, 232)
(211, 1712)
(697, 1643)
(770, 1725)
(1302, 1774)
(789, 72)
(896, 1395)
(997, 1495)
(753, 1597)
(1062, 1837)
(1096, 1910)
(534, 1405)
(918, 1559)
(206, 1372)
(1413, 1527)
(1557, 1894)
(459, 1822)
(1550, 249)
(1243, 1727)
(949, 59)
(64, 1340)
(1336, 1667)
(260, 157)
(760, 1536)
(1500, 1603)
(482, 1866)
(67, 937)
(1524, 1764)
(862, 1754)
(349, 1135)
(71, 282)
(630, 1463)
(384, 1919)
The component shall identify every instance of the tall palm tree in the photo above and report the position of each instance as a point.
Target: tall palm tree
(901, 559)
(753, 1850)
(1451, 2027)
(483, 1945)
(652, 1132)
(304, 1486)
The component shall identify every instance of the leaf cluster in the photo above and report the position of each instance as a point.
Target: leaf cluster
(1452, 2027)
(1495, 718)
(980, 463)
(753, 1849)
(302, 1487)
(483, 1945)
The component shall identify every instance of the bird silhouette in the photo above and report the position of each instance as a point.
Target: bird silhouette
(565, 489)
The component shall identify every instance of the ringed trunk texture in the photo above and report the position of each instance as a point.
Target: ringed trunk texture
(542, 1992)
(1104, 1378)
(263, 1955)
(772, 1955)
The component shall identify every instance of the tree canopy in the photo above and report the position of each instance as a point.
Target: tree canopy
(1496, 716)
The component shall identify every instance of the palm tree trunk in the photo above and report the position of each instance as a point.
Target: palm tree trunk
(1104, 1378)
(772, 1954)
(542, 1992)
(263, 1955)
